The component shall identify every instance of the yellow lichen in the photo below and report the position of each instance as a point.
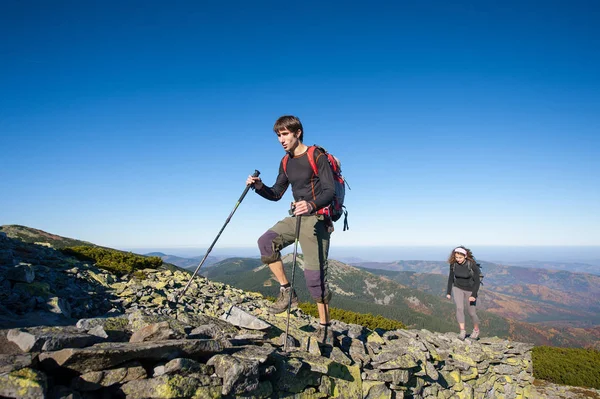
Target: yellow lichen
(26, 380)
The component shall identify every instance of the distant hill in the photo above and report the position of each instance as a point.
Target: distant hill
(417, 299)
(519, 293)
(351, 288)
(574, 267)
(40, 237)
(35, 236)
(186, 263)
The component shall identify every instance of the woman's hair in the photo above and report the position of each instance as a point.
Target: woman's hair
(291, 123)
(452, 259)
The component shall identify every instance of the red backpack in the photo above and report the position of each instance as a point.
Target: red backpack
(336, 209)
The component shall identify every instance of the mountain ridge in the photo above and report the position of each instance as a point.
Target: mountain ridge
(430, 363)
(33, 236)
(416, 308)
(505, 300)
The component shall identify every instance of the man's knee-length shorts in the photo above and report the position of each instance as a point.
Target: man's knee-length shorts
(314, 241)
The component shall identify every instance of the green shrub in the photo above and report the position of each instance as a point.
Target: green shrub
(139, 275)
(568, 366)
(347, 316)
(117, 262)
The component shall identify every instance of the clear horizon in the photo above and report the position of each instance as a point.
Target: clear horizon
(567, 254)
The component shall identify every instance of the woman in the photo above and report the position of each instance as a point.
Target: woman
(463, 282)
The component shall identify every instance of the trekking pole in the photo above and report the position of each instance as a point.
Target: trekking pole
(287, 328)
(239, 201)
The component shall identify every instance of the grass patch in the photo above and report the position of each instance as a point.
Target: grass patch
(367, 320)
(114, 261)
(567, 366)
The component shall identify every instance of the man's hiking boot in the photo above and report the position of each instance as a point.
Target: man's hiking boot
(282, 302)
(462, 335)
(474, 334)
(324, 335)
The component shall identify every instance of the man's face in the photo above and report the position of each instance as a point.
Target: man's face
(288, 140)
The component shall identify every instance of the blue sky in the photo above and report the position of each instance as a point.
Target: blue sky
(136, 123)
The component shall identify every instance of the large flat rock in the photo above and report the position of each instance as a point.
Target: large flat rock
(9, 363)
(50, 338)
(107, 355)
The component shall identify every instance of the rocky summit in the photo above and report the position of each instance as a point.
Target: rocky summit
(73, 330)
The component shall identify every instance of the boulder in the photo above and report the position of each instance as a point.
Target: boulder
(23, 272)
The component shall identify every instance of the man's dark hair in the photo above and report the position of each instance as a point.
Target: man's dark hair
(291, 123)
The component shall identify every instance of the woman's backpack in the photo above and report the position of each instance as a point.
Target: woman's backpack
(471, 271)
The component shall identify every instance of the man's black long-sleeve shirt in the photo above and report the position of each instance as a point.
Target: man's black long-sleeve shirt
(318, 190)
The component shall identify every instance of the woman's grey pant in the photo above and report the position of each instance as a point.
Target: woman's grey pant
(461, 298)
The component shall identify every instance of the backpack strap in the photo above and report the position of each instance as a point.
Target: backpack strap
(452, 271)
(334, 163)
(471, 271)
(346, 227)
(284, 161)
(311, 160)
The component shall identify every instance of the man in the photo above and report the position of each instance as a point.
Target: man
(312, 193)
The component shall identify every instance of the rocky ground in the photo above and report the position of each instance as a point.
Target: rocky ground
(109, 336)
